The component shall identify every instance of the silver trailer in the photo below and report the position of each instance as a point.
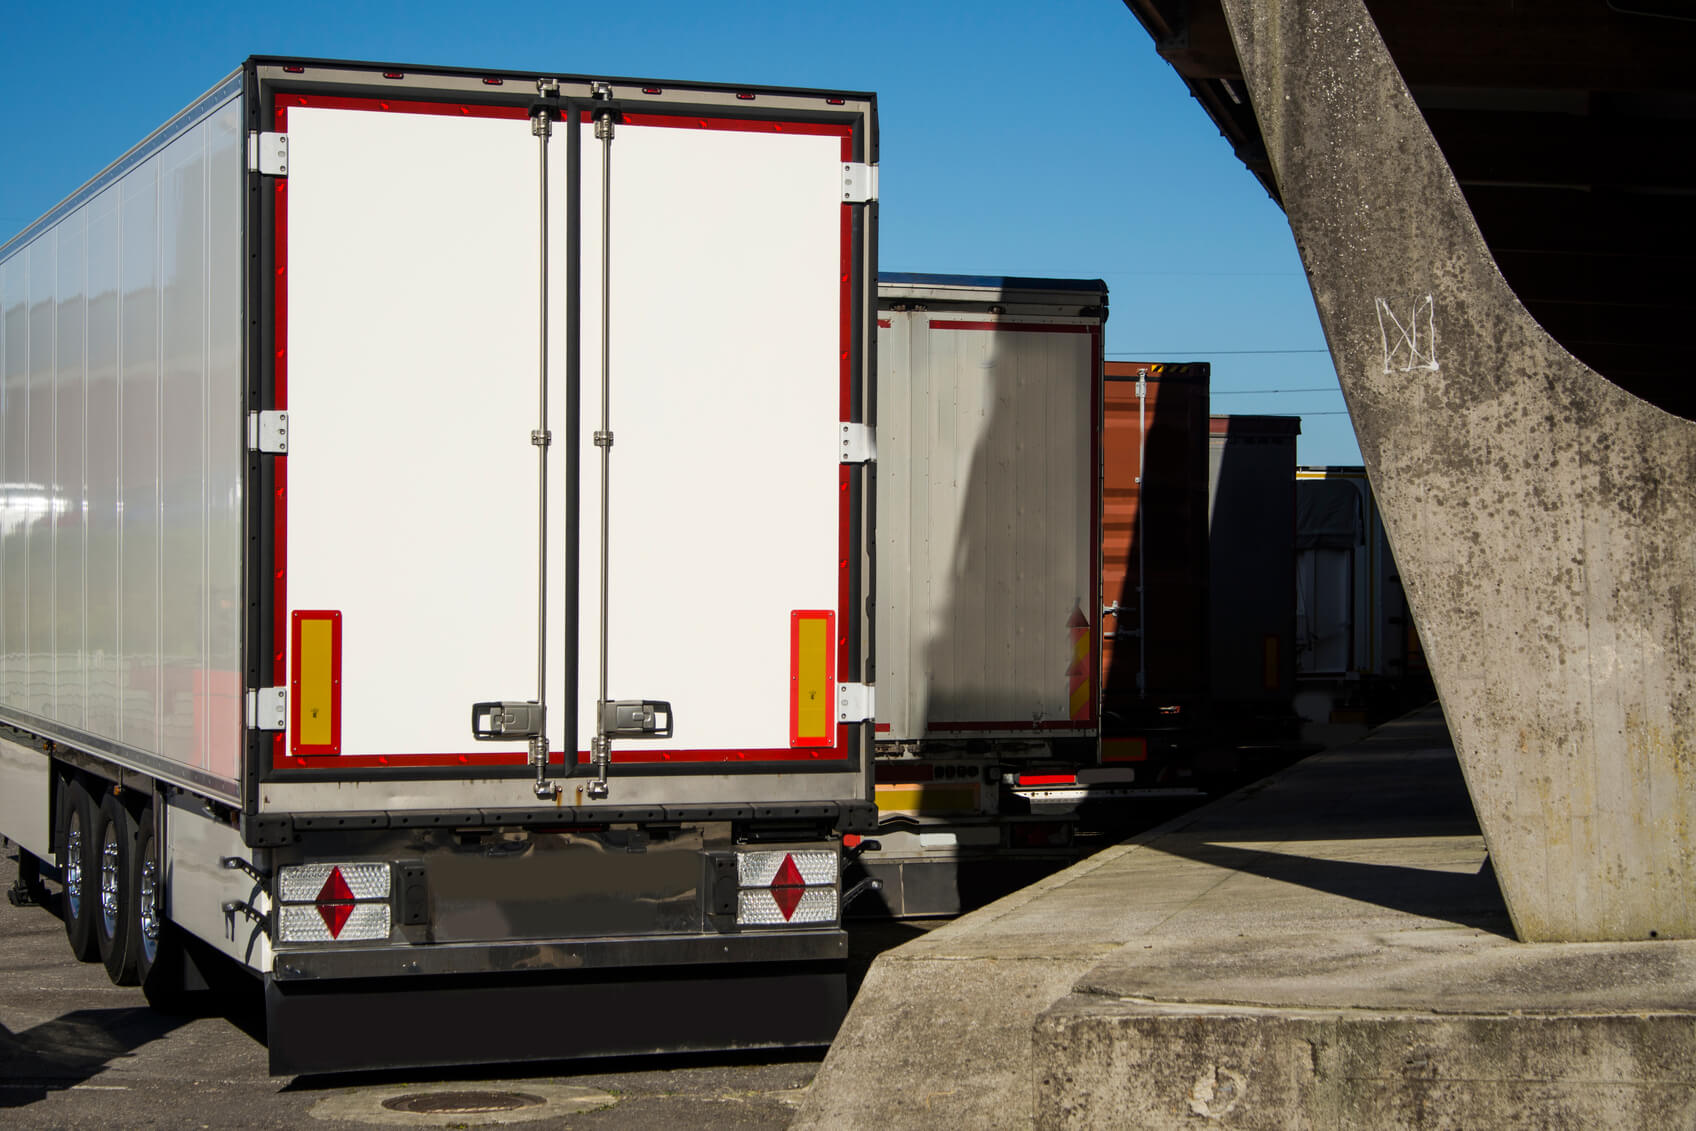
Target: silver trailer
(394, 597)
(988, 536)
(1358, 658)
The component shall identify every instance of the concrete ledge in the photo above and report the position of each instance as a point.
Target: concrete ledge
(1327, 948)
(1152, 1065)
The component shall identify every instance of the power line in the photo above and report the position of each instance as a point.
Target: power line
(1269, 392)
(1200, 353)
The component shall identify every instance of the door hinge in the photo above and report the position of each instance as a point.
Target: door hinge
(857, 443)
(859, 182)
(268, 153)
(268, 432)
(268, 708)
(856, 702)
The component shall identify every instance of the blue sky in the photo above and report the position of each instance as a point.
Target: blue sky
(1018, 139)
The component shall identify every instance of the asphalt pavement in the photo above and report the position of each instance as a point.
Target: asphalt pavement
(77, 1051)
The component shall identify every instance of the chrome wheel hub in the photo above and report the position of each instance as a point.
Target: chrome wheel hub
(109, 881)
(149, 899)
(73, 868)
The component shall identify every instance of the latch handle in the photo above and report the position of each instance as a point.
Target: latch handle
(636, 718)
(506, 721)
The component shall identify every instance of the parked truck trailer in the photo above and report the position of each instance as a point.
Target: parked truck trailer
(989, 449)
(425, 581)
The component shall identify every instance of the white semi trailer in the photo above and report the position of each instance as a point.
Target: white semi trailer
(427, 581)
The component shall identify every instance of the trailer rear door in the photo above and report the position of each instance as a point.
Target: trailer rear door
(408, 239)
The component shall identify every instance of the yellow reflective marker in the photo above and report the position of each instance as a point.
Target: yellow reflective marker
(317, 682)
(811, 679)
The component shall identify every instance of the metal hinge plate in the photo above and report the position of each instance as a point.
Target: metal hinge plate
(859, 182)
(856, 443)
(268, 432)
(856, 702)
(268, 153)
(268, 708)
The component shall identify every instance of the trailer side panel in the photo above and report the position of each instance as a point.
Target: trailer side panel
(120, 514)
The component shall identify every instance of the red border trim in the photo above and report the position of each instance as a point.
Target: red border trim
(796, 619)
(395, 105)
(510, 758)
(1023, 327)
(731, 125)
(280, 757)
(300, 617)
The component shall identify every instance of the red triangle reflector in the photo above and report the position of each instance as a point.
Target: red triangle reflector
(335, 902)
(335, 916)
(335, 889)
(787, 887)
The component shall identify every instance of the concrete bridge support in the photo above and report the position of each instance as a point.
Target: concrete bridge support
(1544, 519)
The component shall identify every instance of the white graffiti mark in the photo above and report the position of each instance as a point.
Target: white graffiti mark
(1415, 344)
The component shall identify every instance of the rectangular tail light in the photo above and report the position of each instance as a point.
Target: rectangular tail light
(778, 888)
(334, 902)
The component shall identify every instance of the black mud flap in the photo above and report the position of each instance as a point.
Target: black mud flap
(434, 1022)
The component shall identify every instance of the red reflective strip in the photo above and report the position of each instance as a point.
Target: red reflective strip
(885, 323)
(280, 467)
(731, 125)
(1027, 327)
(397, 106)
(845, 473)
(370, 761)
(1048, 779)
(660, 757)
(635, 756)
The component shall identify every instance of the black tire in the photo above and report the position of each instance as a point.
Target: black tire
(78, 903)
(158, 960)
(115, 921)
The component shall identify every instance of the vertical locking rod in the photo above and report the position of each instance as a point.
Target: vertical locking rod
(601, 747)
(541, 125)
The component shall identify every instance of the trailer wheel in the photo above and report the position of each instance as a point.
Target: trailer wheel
(115, 920)
(78, 904)
(158, 963)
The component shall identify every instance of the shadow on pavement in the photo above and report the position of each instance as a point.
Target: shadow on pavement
(1467, 899)
(71, 1049)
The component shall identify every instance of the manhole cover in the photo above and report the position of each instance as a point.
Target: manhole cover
(462, 1103)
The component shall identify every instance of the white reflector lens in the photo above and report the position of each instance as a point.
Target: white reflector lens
(358, 921)
(759, 869)
(759, 907)
(305, 882)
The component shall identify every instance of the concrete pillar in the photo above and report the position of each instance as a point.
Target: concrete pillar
(1544, 519)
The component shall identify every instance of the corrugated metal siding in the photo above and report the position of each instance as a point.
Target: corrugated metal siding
(986, 539)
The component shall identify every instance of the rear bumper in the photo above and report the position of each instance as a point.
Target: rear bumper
(340, 963)
(340, 1026)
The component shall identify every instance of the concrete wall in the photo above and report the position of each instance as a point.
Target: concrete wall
(1542, 516)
